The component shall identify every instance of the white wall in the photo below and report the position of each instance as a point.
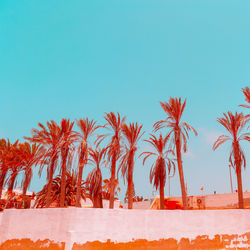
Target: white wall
(120, 225)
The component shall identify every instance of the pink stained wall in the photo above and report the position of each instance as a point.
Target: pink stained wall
(78, 225)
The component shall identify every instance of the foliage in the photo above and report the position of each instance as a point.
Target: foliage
(246, 92)
(70, 194)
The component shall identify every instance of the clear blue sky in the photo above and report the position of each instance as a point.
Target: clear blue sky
(83, 58)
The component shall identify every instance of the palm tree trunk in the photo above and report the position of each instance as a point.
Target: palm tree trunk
(2, 178)
(51, 172)
(100, 204)
(239, 179)
(28, 173)
(161, 192)
(12, 182)
(25, 187)
(112, 184)
(240, 192)
(180, 169)
(130, 182)
(79, 184)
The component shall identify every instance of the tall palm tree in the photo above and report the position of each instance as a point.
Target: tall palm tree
(234, 124)
(132, 134)
(94, 179)
(158, 169)
(68, 137)
(179, 133)
(30, 155)
(114, 123)
(246, 92)
(5, 147)
(49, 137)
(15, 166)
(87, 128)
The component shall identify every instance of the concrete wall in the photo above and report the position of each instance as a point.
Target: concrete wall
(78, 225)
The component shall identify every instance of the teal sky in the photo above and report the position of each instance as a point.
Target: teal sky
(83, 58)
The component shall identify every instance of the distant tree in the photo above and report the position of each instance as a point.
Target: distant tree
(94, 179)
(49, 137)
(132, 134)
(5, 150)
(87, 128)
(246, 92)
(158, 171)
(234, 124)
(178, 135)
(70, 194)
(68, 137)
(30, 155)
(15, 166)
(114, 124)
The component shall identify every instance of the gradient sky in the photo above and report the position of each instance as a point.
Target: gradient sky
(83, 58)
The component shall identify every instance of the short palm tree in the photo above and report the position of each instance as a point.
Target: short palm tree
(30, 155)
(87, 128)
(70, 195)
(158, 171)
(15, 166)
(94, 179)
(178, 135)
(66, 145)
(234, 124)
(132, 134)
(114, 123)
(246, 92)
(5, 150)
(49, 137)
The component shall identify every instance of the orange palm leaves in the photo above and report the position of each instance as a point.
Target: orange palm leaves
(114, 124)
(178, 134)
(246, 92)
(94, 178)
(68, 137)
(235, 124)
(30, 155)
(158, 169)
(49, 137)
(6, 159)
(174, 109)
(87, 128)
(132, 133)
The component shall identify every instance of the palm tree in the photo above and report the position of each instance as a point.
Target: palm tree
(114, 147)
(68, 137)
(234, 124)
(178, 134)
(49, 137)
(30, 155)
(94, 179)
(15, 166)
(107, 187)
(87, 128)
(132, 134)
(5, 147)
(71, 189)
(246, 92)
(158, 169)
